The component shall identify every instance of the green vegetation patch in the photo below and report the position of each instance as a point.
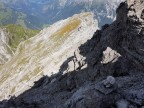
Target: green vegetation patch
(61, 35)
(17, 34)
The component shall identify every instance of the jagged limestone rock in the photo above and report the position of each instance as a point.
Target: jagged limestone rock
(110, 55)
(77, 62)
(135, 9)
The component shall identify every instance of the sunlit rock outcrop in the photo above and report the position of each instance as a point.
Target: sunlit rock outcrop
(45, 53)
(5, 50)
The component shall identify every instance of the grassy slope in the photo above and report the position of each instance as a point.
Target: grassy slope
(34, 54)
(17, 34)
(56, 38)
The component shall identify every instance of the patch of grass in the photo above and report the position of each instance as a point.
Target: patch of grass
(63, 33)
(4, 78)
(18, 34)
(21, 48)
(58, 38)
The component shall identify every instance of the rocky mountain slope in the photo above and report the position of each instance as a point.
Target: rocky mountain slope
(10, 37)
(105, 72)
(4, 52)
(45, 53)
(41, 13)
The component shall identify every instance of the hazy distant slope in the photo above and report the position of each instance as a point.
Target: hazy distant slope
(41, 12)
(10, 16)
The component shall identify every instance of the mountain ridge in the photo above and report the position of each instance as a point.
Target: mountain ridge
(47, 12)
(107, 72)
(44, 53)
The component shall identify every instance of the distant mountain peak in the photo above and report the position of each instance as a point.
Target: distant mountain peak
(41, 12)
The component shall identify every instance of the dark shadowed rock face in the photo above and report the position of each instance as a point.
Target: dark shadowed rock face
(117, 50)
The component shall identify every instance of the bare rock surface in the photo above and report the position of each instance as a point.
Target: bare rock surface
(5, 54)
(114, 54)
(50, 52)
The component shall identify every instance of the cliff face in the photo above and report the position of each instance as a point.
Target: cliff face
(105, 72)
